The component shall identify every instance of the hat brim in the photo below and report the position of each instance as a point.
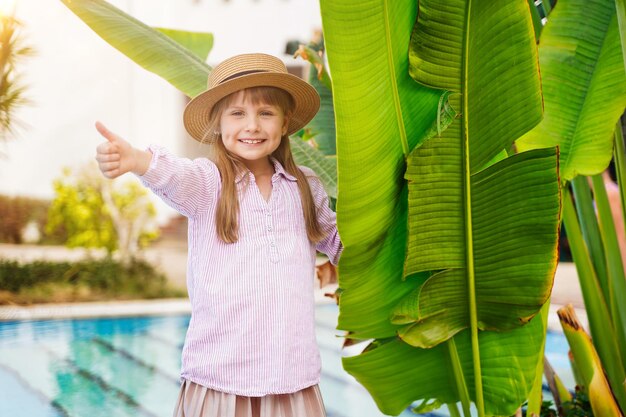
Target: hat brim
(306, 99)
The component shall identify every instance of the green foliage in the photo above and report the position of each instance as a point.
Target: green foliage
(45, 281)
(578, 407)
(584, 92)
(12, 90)
(176, 56)
(79, 209)
(85, 214)
(584, 86)
(468, 249)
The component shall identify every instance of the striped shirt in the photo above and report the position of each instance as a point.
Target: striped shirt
(252, 328)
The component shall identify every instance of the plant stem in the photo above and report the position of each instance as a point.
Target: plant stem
(619, 156)
(559, 393)
(602, 401)
(600, 321)
(616, 284)
(459, 379)
(453, 410)
(590, 229)
(535, 395)
(469, 240)
(620, 6)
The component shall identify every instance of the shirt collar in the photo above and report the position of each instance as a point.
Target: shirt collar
(278, 168)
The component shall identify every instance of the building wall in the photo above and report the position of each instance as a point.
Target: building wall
(76, 78)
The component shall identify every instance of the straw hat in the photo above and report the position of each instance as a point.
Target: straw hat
(244, 71)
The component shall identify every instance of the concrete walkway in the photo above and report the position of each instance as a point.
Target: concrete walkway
(171, 257)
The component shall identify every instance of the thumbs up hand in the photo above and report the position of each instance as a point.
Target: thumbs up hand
(116, 156)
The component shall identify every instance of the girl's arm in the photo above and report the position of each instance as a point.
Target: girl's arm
(185, 185)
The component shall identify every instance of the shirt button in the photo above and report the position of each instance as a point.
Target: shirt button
(269, 229)
(272, 244)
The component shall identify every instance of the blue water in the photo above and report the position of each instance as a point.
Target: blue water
(129, 367)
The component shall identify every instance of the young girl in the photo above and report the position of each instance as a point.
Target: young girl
(255, 223)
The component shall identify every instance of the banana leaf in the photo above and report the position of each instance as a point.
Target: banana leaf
(620, 6)
(372, 95)
(381, 118)
(158, 51)
(396, 373)
(179, 58)
(584, 86)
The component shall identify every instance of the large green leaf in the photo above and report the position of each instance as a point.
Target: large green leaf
(487, 54)
(514, 222)
(381, 114)
(620, 7)
(492, 233)
(584, 85)
(396, 373)
(158, 51)
(199, 43)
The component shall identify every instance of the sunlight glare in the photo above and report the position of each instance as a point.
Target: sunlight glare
(7, 7)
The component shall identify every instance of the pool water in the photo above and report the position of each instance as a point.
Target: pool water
(129, 367)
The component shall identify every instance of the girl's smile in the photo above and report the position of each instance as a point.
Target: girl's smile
(252, 131)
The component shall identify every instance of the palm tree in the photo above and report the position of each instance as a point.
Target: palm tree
(12, 90)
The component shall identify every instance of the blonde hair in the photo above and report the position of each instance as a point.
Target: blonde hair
(229, 165)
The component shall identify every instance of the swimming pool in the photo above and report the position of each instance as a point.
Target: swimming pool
(129, 367)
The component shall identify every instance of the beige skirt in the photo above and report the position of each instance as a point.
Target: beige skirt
(197, 401)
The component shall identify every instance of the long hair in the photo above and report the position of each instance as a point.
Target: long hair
(230, 166)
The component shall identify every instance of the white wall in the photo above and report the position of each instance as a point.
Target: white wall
(77, 78)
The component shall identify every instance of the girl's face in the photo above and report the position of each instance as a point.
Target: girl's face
(252, 131)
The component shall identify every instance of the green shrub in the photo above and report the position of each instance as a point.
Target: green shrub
(94, 212)
(45, 281)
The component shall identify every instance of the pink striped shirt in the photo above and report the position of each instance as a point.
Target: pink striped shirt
(252, 328)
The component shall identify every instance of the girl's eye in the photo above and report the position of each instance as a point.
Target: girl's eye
(237, 113)
(266, 113)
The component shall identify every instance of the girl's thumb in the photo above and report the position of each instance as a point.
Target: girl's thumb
(110, 136)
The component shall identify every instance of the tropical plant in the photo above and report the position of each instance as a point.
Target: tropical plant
(481, 226)
(588, 366)
(387, 123)
(12, 89)
(584, 88)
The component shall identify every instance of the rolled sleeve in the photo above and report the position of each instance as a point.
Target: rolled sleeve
(184, 184)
